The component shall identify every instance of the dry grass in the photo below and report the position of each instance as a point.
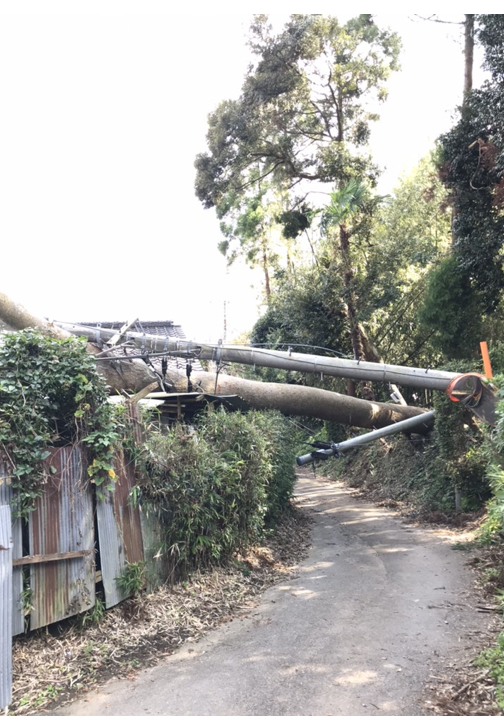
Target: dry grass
(59, 666)
(465, 689)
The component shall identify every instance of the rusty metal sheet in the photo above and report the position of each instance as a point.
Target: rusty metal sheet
(17, 551)
(155, 549)
(5, 607)
(135, 422)
(62, 522)
(119, 532)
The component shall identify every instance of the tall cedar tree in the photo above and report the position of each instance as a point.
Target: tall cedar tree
(303, 117)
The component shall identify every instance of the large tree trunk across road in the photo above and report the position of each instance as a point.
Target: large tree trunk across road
(299, 400)
(134, 375)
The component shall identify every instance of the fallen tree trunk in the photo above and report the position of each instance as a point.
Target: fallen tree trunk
(17, 317)
(130, 375)
(134, 375)
(301, 400)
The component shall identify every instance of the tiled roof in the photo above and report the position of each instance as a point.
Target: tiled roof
(159, 328)
(168, 329)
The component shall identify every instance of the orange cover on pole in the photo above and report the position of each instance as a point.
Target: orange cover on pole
(486, 360)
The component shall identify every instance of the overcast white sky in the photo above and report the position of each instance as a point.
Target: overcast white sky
(103, 112)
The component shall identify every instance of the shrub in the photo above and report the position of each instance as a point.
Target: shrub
(493, 660)
(460, 459)
(218, 483)
(282, 451)
(494, 524)
(450, 309)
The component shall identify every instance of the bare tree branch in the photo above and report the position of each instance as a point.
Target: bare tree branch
(434, 18)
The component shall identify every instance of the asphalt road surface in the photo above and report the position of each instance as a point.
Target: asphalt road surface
(378, 607)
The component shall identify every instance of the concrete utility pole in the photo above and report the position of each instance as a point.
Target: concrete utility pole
(285, 360)
(339, 449)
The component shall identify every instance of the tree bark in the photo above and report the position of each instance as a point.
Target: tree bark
(299, 400)
(351, 301)
(468, 57)
(125, 375)
(468, 82)
(17, 317)
(267, 285)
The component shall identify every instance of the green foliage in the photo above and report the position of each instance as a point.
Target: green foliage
(294, 221)
(133, 578)
(496, 351)
(305, 309)
(344, 203)
(302, 116)
(451, 310)
(494, 524)
(393, 244)
(472, 167)
(410, 233)
(460, 458)
(26, 599)
(51, 395)
(301, 107)
(425, 471)
(92, 616)
(245, 227)
(282, 445)
(400, 470)
(493, 660)
(217, 484)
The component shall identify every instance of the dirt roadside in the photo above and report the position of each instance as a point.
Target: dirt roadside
(378, 610)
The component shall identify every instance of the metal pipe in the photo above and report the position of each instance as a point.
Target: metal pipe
(340, 448)
(339, 367)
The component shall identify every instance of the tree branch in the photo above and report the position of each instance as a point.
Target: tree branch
(434, 18)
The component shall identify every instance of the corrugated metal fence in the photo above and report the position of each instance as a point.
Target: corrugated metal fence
(120, 533)
(48, 567)
(5, 613)
(61, 542)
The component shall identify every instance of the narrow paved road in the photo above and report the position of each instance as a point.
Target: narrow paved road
(376, 608)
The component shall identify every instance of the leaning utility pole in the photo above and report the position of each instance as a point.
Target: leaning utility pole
(470, 390)
(284, 360)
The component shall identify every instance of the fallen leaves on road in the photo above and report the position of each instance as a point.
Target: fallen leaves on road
(60, 663)
(464, 689)
(463, 694)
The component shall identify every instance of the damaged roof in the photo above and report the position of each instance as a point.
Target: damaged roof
(158, 328)
(167, 329)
